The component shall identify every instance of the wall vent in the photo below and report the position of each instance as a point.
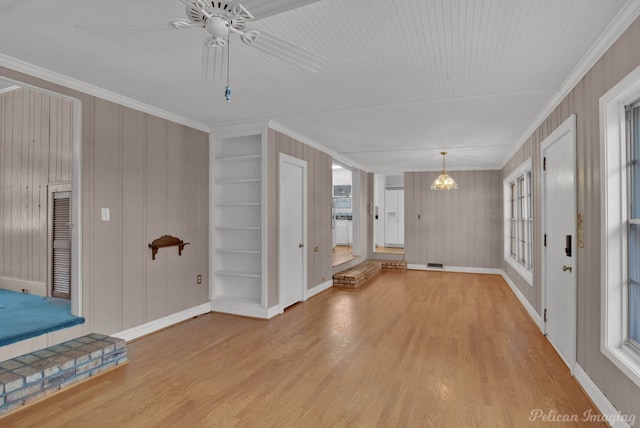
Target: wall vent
(435, 265)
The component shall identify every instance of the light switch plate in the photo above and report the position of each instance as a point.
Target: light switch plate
(106, 216)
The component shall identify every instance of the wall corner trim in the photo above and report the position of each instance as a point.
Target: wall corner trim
(153, 326)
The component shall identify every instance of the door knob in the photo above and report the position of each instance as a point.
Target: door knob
(567, 268)
(300, 245)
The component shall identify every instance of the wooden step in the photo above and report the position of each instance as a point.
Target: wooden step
(356, 275)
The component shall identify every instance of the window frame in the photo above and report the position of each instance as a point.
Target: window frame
(614, 231)
(518, 198)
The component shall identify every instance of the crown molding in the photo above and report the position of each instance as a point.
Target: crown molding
(86, 88)
(618, 25)
(309, 142)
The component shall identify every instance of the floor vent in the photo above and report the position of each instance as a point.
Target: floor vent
(435, 265)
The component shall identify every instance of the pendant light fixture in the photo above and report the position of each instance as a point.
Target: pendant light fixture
(445, 181)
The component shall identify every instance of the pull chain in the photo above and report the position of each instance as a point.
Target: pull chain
(227, 90)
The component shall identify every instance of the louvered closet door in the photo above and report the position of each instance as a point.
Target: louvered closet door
(61, 268)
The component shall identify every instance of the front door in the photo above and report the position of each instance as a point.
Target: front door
(559, 240)
(292, 225)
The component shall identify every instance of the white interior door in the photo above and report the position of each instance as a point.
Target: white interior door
(293, 227)
(559, 228)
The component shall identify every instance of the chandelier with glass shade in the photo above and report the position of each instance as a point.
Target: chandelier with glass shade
(444, 181)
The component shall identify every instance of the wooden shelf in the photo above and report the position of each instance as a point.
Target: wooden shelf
(239, 181)
(164, 242)
(234, 251)
(238, 227)
(239, 204)
(238, 158)
(238, 273)
(238, 198)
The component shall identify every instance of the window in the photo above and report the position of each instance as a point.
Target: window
(620, 164)
(633, 225)
(519, 221)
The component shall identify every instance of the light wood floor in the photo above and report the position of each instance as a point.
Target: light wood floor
(341, 254)
(407, 349)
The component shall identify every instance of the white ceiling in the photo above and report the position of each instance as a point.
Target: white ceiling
(400, 80)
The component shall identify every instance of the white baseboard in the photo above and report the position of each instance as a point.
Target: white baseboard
(159, 324)
(523, 300)
(609, 413)
(458, 269)
(17, 285)
(318, 289)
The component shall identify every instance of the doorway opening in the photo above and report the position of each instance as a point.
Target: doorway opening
(388, 214)
(342, 218)
(40, 250)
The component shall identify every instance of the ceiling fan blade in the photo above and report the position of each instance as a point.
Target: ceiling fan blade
(264, 8)
(289, 52)
(123, 28)
(16, 6)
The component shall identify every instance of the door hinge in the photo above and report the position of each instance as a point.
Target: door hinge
(545, 314)
(545, 239)
(544, 164)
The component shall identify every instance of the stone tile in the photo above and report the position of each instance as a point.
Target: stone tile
(31, 374)
(98, 336)
(73, 344)
(27, 358)
(114, 355)
(59, 378)
(11, 364)
(11, 382)
(106, 347)
(75, 379)
(93, 351)
(63, 361)
(80, 356)
(57, 349)
(88, 366)
(120, 343)
(21, 393)
(44, 353)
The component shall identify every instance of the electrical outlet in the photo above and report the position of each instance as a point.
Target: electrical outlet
(199, 279)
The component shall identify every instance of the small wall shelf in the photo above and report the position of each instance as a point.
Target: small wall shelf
(166, 241)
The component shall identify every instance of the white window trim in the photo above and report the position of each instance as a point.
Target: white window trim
(614, 265)
(522, 169)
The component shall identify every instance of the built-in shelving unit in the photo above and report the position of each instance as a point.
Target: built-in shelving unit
(238, 178)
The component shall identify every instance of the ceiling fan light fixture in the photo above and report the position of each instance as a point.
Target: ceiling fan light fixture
(444, 181)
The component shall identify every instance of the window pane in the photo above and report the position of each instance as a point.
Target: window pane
(634, 313)
(635, 168)
(634, 282)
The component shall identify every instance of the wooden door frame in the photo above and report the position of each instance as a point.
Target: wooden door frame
(568, 126)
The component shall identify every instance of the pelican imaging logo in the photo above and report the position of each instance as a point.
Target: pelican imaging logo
(539, 415)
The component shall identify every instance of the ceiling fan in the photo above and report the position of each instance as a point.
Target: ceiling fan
(224, 20)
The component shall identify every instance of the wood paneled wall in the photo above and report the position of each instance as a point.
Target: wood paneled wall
(461, 228)
(583, 101)
(35, 151)
(319, 211)
(153, 175)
